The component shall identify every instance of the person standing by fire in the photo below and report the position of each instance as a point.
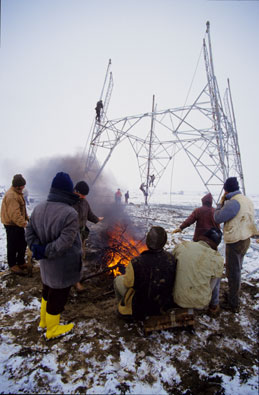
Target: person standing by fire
(14, 217)
(236, 211)
(146, 287)
(203, 217)
(53, 237)
(84, 214)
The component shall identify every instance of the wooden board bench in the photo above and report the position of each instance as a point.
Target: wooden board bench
(176, 318)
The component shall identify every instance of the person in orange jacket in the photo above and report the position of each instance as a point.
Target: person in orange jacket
(14, 218)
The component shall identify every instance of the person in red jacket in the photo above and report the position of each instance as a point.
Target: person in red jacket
(118, 196)
(203, 217)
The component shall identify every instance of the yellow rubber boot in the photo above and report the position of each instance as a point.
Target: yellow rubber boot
(42, 324)
(53, 327)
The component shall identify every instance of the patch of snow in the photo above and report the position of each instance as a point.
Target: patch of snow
(232, 385)
(85, 348)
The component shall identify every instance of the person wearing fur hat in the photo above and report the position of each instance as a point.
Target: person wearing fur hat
(14, 218)
(84, 214)
(53, 236)
(236, 211)
(203, 217)
(146, 287)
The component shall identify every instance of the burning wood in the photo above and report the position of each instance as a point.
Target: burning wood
(116, 247)
(121, 249)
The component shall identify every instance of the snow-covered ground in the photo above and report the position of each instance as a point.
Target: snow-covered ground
(126, 361)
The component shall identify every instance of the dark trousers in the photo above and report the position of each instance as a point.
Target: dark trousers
(16, 245)
(235, 253)
(98, 115)
(56, 299)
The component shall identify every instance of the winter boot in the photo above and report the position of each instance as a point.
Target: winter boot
(17, 270)
(42, 324)
(80, 287)
(54, 329)
(214, 310)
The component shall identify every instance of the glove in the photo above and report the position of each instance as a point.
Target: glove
(222, 200)
(177, 230)
(38, 251)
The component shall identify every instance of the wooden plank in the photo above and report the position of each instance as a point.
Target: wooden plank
(176, 318)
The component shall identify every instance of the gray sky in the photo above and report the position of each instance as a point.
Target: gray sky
(54, 54)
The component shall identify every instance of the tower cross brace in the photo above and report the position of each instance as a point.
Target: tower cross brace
(205, 131)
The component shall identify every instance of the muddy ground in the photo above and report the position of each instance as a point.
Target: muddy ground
(223, 345)
(104, 354)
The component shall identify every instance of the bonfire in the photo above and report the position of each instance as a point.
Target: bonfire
(122, 247)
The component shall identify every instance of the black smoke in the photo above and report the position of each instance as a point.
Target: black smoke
(101, 195)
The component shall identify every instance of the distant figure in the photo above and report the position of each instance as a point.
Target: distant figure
(142, 188)
(118, 196)
(126, 197)
(151, 181)
(98, 108)
(14, 218)
(25, 195)
(203, 217)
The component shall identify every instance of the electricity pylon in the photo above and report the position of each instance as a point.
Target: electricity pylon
(205, 131)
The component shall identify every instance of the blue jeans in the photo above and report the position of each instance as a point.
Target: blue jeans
(215, 286)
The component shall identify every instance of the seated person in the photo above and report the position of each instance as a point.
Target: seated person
(198, 272)
(146, 287)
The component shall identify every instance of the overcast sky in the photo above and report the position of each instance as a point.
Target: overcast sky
(54, 55)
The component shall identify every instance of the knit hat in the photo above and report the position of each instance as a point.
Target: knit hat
(63, 182)
(156, 238)
(231, 184)
(18, 181)
(82, 187)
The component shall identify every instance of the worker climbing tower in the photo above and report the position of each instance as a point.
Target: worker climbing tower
(204, 130)
(92, 166)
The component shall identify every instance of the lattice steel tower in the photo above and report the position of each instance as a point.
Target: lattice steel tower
(205, 131)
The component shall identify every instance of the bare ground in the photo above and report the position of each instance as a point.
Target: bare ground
(224, 345)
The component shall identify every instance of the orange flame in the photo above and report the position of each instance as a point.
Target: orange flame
(123, 247)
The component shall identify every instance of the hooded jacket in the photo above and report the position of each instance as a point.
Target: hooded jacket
(54, 224)
(13, 209)
(204, 218)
